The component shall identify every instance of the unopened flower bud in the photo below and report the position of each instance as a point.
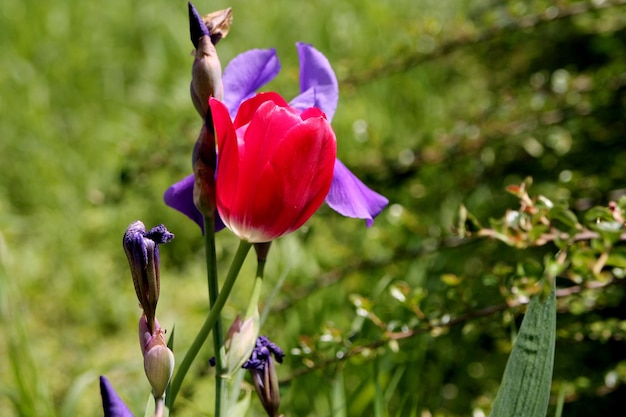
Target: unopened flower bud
(111, 402)
(206, 80)
(158, 361)
(204, 163)
(240, 342)
(142, 251)
(263, 371)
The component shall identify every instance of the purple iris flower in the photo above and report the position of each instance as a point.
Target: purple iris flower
(111, 402)
(246, 74)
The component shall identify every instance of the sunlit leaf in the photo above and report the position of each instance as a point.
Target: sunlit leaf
(564, 216)
(596, 214)
(525, 388)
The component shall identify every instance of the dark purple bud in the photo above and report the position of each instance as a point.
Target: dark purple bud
(142, 251)
(262, 353)
(111, 402)
(263, 372)
(197, 28)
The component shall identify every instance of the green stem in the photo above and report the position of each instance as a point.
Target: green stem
(256, 290)
(218, 332)
(251, 310)
(209, 322)
(159, 407)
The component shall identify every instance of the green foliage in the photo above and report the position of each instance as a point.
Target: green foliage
(443, 105)
(525, 388)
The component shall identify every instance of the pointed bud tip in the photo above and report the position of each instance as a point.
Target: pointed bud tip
(197, 28)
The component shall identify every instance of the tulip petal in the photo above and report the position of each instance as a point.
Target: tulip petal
(351, 198)
(246, 73)
(180, 197)
(228, 159)
(111, 402)
(318, 82)
(273, 172)
(304, 164)
(249, 107)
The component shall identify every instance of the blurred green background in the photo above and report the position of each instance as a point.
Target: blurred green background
(442, 103)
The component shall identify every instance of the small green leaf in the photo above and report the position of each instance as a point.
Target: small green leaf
(617, 258)
(451, 279)
(597, 213)
(467, 223)
(525, 388)
(564, 216)
(610, 231)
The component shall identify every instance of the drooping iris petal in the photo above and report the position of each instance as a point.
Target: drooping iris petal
(318, 82)
(111, 402)
(350, 197)
(246, 73)
(274, 172)
(180, 197)
(319, 88)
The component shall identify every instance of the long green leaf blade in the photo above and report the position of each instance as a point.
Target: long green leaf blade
(525, 388)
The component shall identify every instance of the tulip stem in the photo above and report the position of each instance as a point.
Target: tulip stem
(256, 290)
(218, 333)
(209, 322)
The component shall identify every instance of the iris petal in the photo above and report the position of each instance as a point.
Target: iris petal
(180, 197)
(318, 83)
(246, 73)
(351, 198)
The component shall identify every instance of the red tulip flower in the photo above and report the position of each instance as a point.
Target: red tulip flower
(275, 166)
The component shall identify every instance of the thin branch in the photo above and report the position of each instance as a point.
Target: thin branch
(334, 276)
(555, 234)
(429, 326)
(404, 63)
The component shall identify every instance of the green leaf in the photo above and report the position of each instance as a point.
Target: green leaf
(525, 388)
(610, 231)
(596, 214)
(338, 398)
(617, 258)
(564, 216)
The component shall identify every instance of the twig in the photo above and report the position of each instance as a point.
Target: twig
(416, 58)
(429, 326)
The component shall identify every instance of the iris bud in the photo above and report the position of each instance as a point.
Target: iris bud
(204, 162)
(263, 372)
(159, 365)
(158, 359)
(206, 80)
(142, 251)
(240, 341)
